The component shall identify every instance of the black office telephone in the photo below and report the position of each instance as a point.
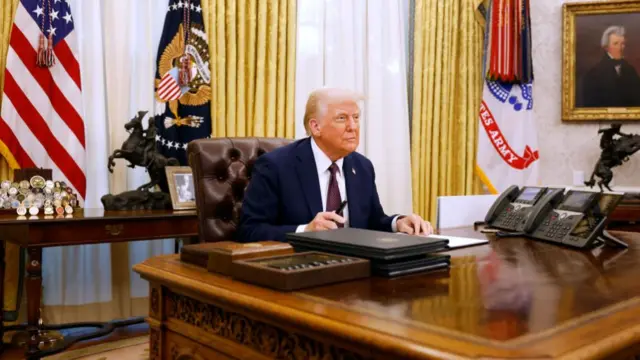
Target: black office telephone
(542, 208)
(512, 208)
(576, 219)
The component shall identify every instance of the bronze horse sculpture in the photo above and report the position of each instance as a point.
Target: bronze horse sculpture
(139, 149)
(615, 152)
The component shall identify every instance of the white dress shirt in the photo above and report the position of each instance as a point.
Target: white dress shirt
(617, 67)
(324, 175)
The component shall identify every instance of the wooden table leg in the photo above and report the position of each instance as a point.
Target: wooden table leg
(185, 241)
(34, 295)
(176, 245)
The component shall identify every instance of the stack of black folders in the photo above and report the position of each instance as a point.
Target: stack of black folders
(390, 254)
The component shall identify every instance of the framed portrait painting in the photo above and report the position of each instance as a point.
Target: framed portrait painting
(601, 61)
(181, 187)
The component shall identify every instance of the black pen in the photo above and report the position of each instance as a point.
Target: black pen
(341, 208)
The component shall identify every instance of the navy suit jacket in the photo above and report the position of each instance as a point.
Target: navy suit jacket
(284, 192)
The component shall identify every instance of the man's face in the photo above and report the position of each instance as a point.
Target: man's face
(616, 46)
(339, 128)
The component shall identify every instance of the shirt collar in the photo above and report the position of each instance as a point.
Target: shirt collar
(611, 57)
(322, 160)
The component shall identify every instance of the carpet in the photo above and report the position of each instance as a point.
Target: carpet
(130, 349)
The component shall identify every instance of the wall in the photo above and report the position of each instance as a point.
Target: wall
(564, 147)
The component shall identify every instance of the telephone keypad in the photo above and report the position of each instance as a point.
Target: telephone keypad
(512, 218)
(556, 227)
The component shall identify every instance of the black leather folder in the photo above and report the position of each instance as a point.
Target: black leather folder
(411, 266)
(390, 254)
(371, 244)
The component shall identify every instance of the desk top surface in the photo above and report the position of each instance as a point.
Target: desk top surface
(7, 217)
(511, 298)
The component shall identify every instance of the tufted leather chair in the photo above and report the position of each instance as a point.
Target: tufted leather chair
(221, 172)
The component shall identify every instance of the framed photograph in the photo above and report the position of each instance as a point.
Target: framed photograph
(181, 188)
(601, 61)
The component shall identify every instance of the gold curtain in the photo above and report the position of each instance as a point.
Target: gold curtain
(447, 88)
(7, 10)
(252, 45)
(12, 254)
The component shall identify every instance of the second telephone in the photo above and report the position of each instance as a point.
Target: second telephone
(578, 220)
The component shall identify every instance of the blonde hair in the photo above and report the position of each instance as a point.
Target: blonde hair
(320, 99)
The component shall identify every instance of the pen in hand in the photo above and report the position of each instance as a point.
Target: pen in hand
(341, 208)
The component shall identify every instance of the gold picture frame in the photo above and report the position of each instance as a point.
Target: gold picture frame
(586, 77)
(181, 187)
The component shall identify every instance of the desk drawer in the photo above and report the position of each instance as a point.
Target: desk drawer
(106, 230)
(179, 347)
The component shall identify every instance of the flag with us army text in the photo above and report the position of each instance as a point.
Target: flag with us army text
(183, 80)
(507, 151)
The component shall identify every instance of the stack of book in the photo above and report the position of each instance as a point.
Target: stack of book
(390, 254)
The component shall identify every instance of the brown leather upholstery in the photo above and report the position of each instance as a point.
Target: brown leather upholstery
(221, 172)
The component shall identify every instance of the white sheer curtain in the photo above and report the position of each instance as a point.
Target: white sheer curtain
(71, 275)
(118, 42)
(134, 41)
(362, 45)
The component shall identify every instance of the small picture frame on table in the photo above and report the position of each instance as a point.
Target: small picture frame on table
(181, 187)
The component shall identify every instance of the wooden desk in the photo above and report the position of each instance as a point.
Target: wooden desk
(626, 217)
(513, 298)
(88, 226)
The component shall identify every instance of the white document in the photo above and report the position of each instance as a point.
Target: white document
(458, 242)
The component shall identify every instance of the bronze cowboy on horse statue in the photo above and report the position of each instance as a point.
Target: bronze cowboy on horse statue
(615, 151)
(140, 150)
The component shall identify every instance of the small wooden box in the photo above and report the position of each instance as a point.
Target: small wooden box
(196, 254)
(300, 270)
(217, 257)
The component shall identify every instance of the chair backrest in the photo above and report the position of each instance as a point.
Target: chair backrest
(221, 172)
(457, 211)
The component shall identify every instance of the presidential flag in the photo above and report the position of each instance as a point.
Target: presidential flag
(183, 80)
(507, 136)
(41, 119)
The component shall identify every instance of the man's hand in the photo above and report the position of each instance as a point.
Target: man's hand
(324, 221)
(414, 225)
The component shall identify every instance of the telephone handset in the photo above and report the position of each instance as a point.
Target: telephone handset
(542, 208)
(511, 210)
(507, 197)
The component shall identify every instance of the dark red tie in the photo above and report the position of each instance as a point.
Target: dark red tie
(333, 195)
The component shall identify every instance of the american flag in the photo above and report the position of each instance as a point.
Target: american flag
(41, 121)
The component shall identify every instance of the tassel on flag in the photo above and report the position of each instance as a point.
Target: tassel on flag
(508, 42)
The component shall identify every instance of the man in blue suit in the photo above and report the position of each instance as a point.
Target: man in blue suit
(298, 187)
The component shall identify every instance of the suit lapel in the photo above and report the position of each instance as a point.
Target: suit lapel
(351, 180)
(308, 176)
